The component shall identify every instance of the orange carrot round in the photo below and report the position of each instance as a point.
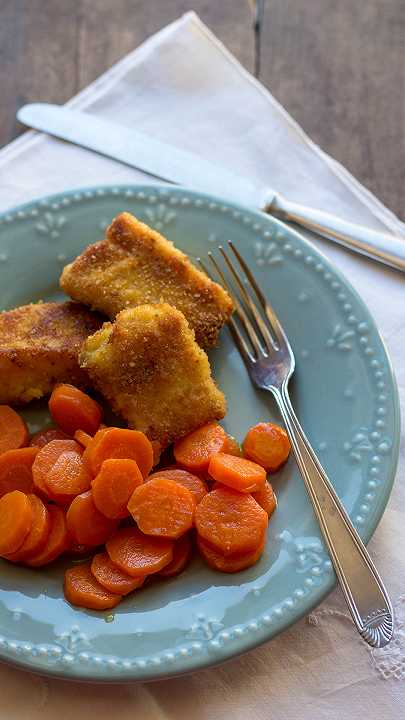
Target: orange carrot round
(197, 487)
(230, 521)
(15, 521)
(229, 563)
(43, 437)
(67, 478)
(82, 589)
(114, 485)
(87, 525)
(266, 498)
(232, 447)
(57, 541)
(138, 554)
(119, 443)
(268, 445)
(238, 473)
(195, 450)
(82, 437)
(112, 578)
(163, 508)
(46, 459)
(16, 470)
(73, 410)
(38, 535)
(13, 430)
(181, 556)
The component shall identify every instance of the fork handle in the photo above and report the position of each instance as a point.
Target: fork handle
(364, 591)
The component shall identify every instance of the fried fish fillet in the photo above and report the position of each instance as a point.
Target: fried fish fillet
(39, 345)
(135, 265)
(149, 367)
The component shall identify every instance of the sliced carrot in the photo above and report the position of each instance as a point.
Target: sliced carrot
(43, 437)
(163, 508)
(138, 554)
(181, 556)
(197, 487)
(73, 410)
(46, 459)
(15, 521)
(238, 473)
(114, 485)
(87, 525)
(230, 521)
(195, 450)
(82, 437)
(229, 563)
(68, 477)
(112, 578)
(13, 430)
(57, 541)
(268, 445)
(266, 498)
(82, 589)
(16, 470)
(38, 535)
(119, 443)
(232, 447)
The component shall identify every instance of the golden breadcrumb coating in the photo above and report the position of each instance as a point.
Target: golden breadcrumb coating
(135, 265)
(39, 345)
(149, 367)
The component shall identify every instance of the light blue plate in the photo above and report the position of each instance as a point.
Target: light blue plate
(345, 395)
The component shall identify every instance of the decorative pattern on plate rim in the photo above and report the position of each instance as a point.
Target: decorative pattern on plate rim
(315, 568)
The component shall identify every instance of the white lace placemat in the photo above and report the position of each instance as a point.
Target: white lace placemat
(184, 87)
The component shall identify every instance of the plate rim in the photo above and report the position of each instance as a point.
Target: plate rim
(249, 642)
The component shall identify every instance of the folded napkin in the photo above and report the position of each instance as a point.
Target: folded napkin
(184, 87)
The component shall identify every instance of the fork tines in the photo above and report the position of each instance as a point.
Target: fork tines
(256, 329)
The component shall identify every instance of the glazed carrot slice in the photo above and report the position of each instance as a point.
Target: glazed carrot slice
(194, 451)
(82, 437)
(16, 470)
(197, 487)
(15, 521)
(82, 589)
(229, 563)
(87, 525)
(163, 508)
(232, 447)
(138, 554)
(43, 437)
(112, 578)
(119, 443)
(67, 478)
(57, 541)
(46, 459)
(73, 410)
(181, 556)
(266, 498)
(114, 485)
(238, 473)
(38, 535)
(231, 521)
(13, 430)
(268, 445)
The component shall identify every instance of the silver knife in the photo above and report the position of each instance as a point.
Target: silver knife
(177, 166)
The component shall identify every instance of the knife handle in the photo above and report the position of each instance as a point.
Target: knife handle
(388, 249)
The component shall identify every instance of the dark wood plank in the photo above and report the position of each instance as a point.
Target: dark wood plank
(338, 67)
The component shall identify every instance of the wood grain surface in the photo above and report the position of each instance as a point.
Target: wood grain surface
(337, 66)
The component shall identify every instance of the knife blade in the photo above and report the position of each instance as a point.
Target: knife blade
(181, 167)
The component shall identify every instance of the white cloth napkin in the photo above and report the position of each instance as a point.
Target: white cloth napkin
(184, 87)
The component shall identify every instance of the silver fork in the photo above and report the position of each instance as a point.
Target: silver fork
(270, 362)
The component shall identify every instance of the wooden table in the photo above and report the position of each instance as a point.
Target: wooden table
(337, 66)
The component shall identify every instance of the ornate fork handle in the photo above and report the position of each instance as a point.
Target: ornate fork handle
(364, 591)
